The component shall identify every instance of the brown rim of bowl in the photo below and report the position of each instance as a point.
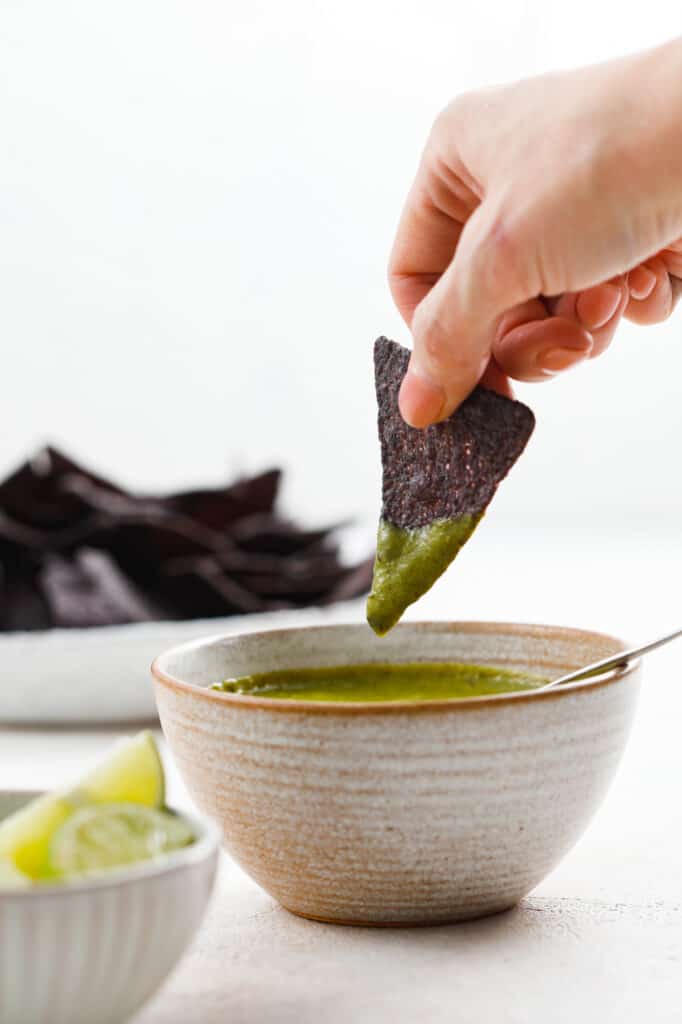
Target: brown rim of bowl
(238, 700)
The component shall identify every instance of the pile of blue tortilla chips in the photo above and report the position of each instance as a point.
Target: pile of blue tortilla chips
(78, 550)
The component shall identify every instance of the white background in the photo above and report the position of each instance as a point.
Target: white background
(197, 203)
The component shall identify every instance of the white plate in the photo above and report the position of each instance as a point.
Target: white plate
(102, 674)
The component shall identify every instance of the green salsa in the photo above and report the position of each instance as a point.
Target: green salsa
(408, 563)
(382, 682)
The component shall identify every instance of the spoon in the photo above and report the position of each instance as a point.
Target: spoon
(615, 661)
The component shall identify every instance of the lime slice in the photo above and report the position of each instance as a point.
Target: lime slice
(105, 836)
(132, 773)
(11, 877)
(25, 835)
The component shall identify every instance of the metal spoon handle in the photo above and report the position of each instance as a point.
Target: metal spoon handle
(615, 661)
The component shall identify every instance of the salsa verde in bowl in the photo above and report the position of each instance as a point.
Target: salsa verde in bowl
(376, 681)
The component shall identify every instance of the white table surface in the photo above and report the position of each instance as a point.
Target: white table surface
(599, 940)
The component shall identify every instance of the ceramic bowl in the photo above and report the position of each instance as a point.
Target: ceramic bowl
(95, 951)
(398, 813)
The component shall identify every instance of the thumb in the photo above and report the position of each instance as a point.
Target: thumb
(454, 326)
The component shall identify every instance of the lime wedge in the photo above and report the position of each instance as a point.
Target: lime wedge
(105, 836)
(11, 877)
(25, 835)
(132, 773)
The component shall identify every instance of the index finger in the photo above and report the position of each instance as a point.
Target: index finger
(436, 209)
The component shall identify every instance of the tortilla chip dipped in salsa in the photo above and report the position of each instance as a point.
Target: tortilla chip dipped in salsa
(437, 483)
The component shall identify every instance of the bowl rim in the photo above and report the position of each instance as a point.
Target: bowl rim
(163, 678)
(202, 849)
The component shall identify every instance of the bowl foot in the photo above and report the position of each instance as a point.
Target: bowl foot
(456, 918)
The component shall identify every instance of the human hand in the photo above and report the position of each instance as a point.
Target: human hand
(541, 214)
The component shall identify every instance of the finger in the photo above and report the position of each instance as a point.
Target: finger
(657, 303)
(430, 227)
(454, 325)
(528, 331)
(438, 204)
(641, 283)
(672, 260)
(539, 349)
(599, 310)
(539, 339)
(672, 257)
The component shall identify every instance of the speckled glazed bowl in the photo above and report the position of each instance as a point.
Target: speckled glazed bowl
(398, 813)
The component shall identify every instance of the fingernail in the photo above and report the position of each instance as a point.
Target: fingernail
(596, 306)
(554, 360)
(421, 401)
(641, 283)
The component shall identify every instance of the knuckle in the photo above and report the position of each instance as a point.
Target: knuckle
(460, 107)
(441, 126)
(455, 113)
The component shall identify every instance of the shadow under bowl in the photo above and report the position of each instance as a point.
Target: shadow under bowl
(396, 812)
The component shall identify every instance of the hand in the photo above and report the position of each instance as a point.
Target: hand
(541, 214)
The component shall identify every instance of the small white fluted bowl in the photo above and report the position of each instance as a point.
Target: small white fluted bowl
(93, 952)
(395, 812)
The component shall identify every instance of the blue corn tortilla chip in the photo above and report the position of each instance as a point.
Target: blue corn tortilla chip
(89, 589)
(437, 483)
